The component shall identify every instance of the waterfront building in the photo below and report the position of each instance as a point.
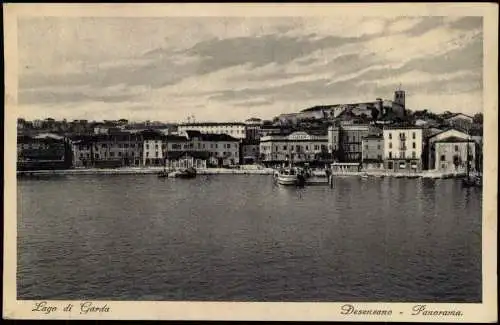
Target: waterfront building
(222, 149)
(430, 148)
(333, 140)
(403, 148)
(372, 152)
(107, 150)
(453, 153)
(233, 129)
(250, 151)
(153, 148)
(44, 151)
(346, 140)
(298, 147)
(82, 148)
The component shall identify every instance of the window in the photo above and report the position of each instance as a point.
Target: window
(390, 155)
(414, 154)
(307, 147)
(316, 147)
(132, 153)
(390, 145)
(147, 146)
(125, 145)
(414, 145)
(443, 158)
(147, 154)
(456, 148)
(366, 147)
(216, 146)
(390, 135)
(103, 145)
(413, 135)
(284, 147)
(378, 147)
(119, 154)
(96, 156)
(379, 157)
(402, 155)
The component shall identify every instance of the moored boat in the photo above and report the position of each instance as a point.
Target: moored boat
(290, 176)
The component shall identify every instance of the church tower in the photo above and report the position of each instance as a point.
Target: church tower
(399, 97)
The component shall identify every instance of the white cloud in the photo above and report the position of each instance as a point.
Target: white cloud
(72, 46)
(403, 25)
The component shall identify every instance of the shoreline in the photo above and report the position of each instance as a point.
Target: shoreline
(143, 171)
(225, 171)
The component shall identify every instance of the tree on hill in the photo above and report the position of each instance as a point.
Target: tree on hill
(478, 118)
(375, 113)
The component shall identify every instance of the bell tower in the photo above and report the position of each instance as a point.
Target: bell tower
(399, 96)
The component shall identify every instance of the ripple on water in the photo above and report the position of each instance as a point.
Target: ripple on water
(136, 237)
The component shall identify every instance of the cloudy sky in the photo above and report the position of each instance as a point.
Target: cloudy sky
(230, 69)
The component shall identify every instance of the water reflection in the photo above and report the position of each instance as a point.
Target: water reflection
(244, 238)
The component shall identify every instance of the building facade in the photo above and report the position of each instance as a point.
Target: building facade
(460, 121)
(430, 148)
(346, 140)
(403, 148)
(372, 152)
(45, 151)
(232, 129)
(253, 127)
(298, 147)
(250, 151)
(453, 154)
(108, 150)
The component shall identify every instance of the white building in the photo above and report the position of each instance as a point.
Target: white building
(153, 151)
(445, 134)
(403, 147)
(297, 147)
(234, 129)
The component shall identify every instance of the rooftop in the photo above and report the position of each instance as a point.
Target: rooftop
(213, 124)
(454, 139)
(402, 127)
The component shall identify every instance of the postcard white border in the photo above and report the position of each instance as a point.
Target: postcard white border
(149, 310)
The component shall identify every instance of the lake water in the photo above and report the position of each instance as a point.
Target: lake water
(243, 238)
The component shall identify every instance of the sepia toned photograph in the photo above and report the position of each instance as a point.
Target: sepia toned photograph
(232, 158)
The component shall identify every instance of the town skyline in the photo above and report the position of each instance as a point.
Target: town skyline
(232, 69)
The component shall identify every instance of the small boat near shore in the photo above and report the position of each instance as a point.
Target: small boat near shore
(290, 176)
